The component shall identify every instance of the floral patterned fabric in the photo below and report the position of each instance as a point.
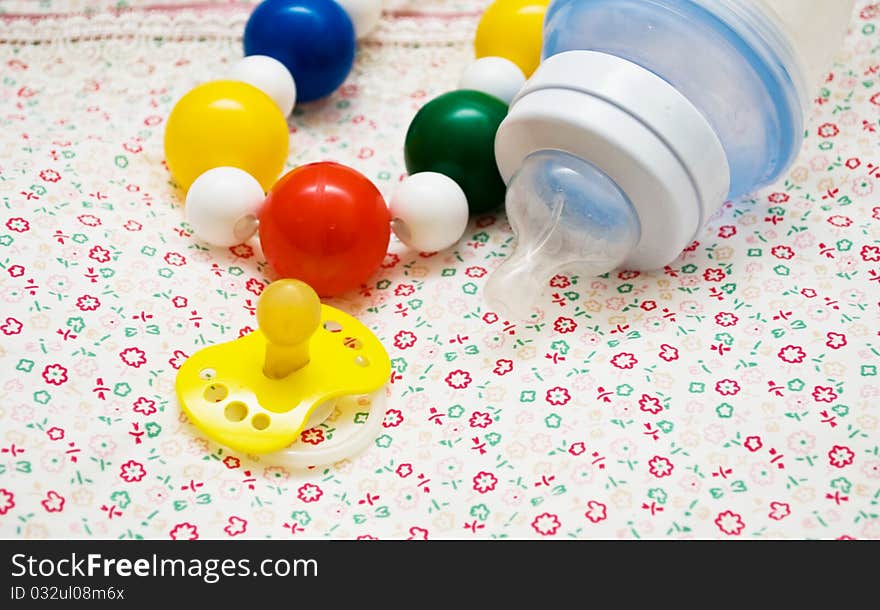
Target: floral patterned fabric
(733, 394)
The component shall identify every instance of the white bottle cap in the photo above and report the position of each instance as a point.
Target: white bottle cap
(634, 126)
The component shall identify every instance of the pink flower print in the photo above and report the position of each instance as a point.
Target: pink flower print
(871, 254)
(840, 456)
(727, 387)
(564, 325)
(872, 469)
(7, 501)
(801, 442)
(241, 251)
(824, 394)
(404, 290)
(782, 252)
(145, 406)
(458, 379)
(503, 367)
(485, 482)
(177, 359)
(726, 232)
(312, 436)
(404, 470)
(480, 419)
(714, 275)
(730, 523)
(255, 286)
(16, 271)
(828, 130)
(650, 404)
(648, 305)
(134, 357)
(175, 260)
(726, 319)
(231, 462)
(50, 175)
(184, 531)
(55, 433)
(417, 533)
(753, 443)
(236, 526)
(779, 511)
(54, 502)
(546, 524)
(10, 327)
(276, 473)
(660, 467)
(19, 225)
(560, 281)
(393, 418)
(309, 493)
(89, 220)
(668, 353)
(132, 472)
(596, 511)
(55, 374)
(835, 340)
(792, 354)
(404, 340)
(624, 360)
(558, 396)
(577, 449)
(88, 303)
(99, 254)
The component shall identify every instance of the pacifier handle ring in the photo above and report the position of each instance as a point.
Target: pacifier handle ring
(347, 449)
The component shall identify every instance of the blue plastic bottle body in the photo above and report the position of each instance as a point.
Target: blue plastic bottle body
(733, 66)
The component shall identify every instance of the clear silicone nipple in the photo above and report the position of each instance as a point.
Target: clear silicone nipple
(568, 216)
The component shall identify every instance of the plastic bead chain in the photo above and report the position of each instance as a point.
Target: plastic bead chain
(324, 224)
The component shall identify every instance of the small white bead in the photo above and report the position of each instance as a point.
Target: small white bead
(496, 76)
(364, 14)
(269, 76)
(429, 212)
(223, 204)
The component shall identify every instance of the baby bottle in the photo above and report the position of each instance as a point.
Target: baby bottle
(644, 117)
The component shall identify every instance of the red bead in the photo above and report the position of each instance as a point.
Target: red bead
(327, 225)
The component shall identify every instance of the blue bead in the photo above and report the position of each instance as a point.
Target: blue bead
(314, 39)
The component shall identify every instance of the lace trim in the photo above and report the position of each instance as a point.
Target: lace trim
(220, 23)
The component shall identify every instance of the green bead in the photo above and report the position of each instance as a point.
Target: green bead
(454, 135)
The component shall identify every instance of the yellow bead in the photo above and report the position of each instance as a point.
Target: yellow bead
(226, 124)
(514, 30)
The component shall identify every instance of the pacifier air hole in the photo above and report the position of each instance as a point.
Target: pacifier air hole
(207, 374)
(362, 361)
(261, 421)
(216, 393)
(236, 411)
(332, 326)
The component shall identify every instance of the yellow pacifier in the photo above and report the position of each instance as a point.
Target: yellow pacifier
(258, 393)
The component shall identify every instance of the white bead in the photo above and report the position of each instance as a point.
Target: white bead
(223, 204)
(496, 76)
(429, 212)
(269, 76)
(364, 14)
